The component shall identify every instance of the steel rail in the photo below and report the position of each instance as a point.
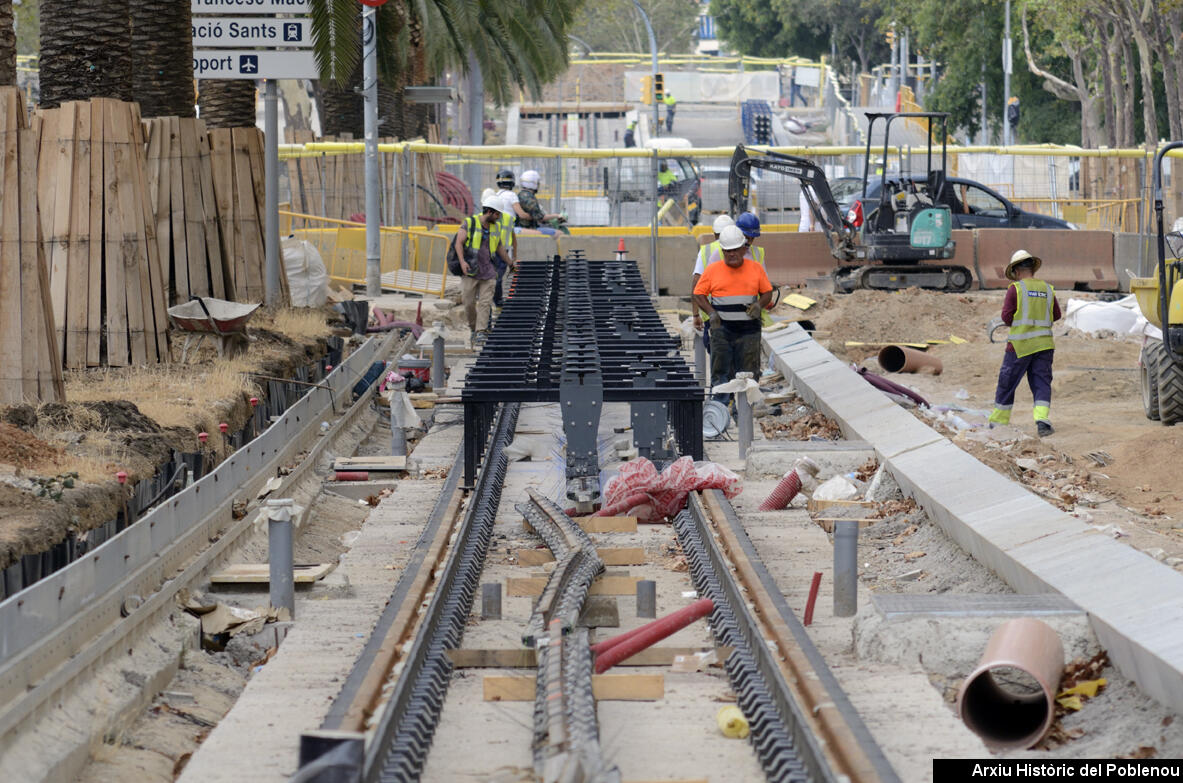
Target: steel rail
(56, 630)
(407, 723)
(799, 735)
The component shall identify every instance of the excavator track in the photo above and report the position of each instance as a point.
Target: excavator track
(885, 277)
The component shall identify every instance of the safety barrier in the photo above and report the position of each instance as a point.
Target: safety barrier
(411, 260)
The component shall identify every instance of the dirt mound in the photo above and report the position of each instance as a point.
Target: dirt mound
(24, 451)
(28, 524)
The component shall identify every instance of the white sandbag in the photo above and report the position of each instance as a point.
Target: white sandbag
(837, 488)
(1089, 316)
(308, 280)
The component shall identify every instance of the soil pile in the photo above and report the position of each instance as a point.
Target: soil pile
(25, 451)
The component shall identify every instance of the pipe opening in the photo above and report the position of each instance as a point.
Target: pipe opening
(1007, 707)
(892, 358)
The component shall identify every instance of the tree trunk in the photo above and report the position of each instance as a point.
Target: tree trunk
(85, 50)
(227, 103)
(1146, 71)
(7, 45)
(1108, 87)
(342, 107)
(1170, 72)
(162, 58)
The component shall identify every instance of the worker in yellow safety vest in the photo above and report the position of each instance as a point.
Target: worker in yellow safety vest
(670, 106)
(1029, 309)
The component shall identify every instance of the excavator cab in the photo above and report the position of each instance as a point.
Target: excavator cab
(1160, 298)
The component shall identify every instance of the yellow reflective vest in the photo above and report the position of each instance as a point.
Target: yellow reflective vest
(1031, 329)
(474, 229)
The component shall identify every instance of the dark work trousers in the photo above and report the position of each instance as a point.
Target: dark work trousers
(500, 266)
(1037, 367)
(733, 352)
(669, 119)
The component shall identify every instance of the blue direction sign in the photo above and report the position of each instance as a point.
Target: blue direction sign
(219, 31)
(249, 6)
(254, 64)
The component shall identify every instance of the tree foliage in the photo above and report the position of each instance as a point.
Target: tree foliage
(615, 25)
(773, 28)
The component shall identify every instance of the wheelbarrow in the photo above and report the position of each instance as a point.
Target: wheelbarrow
(204, 316)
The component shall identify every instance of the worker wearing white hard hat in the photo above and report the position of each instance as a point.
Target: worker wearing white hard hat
(477, 242)
(1029, 309)
(534, 216)
(704, 252)
(733, 294)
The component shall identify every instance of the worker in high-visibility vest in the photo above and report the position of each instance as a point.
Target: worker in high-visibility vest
(749, 224)
(1029, 309)
(670, 106)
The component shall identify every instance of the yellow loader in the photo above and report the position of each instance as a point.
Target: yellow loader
(1160, 299)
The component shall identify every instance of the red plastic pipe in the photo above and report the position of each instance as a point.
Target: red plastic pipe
(813, 586)
(628, 644)
(353, 475)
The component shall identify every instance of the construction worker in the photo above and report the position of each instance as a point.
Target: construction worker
(808, 221)
(630, 134)
(704, 253)
(481, 234)
(509, 240)
(671, 104)
(1029, 309)
(505, 193)
(528, 203)
(665, 178)
(749, 224)
(733, 294)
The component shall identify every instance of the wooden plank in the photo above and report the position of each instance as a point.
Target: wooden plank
(114, 285)
(605, 687)
(159, 190)
(532, 586)
(156, 292)
(129, 234)
(817, 505)
(213, 247)
(370, 463)
(37, 325)
(247, 216)
(51, 385)
(96, 244)
(59, 126)
(258, 180)
(527, 658)
(11, 342)
(78, 258)
(222, 176)
(296, 199)
(611, 555)
(178, 225)
(260, 573)
(194, 217)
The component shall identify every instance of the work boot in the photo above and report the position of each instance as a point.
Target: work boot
(1044, 428)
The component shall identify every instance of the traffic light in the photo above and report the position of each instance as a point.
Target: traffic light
(647, 89)
(891, 36)
(762, 129)
(658, 87)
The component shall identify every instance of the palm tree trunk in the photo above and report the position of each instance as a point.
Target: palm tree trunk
(162, 46)
(85, 50)
(342, 107)
(227, 103)
(7, 45)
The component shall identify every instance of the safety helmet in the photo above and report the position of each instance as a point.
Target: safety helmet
(505, 179)
(486, 193)
(1021, 257)
(530, 179)
(492, 202)
(749, 224)
(731, 237)
(722, 222)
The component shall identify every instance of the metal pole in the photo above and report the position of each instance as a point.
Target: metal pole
(272, 292)
(370, 88)
(398, 433)
(491, 601)
(701, 367)
(280, 557)
(653, 54)
(1006, 68)
(476, 122)
(743, 409)
(437, 358)
(845, 567)
(653, 226)
(646, 598)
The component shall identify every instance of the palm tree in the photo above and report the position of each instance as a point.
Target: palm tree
(85, 50)
(162, 45)
(227, 103)
(7, 45)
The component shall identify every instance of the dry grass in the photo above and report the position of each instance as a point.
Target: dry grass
(298, 323)
(173, 395)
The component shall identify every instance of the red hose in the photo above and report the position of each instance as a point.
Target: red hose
(813, 586)
(612, 651)
(353, 475)
(785, 491)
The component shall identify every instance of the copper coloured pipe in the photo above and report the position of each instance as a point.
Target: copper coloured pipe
(900, 358)
(1009, 699)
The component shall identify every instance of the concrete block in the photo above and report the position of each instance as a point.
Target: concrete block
(600, 611)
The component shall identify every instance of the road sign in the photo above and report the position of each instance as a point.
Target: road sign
(254, 64)
(250, 6)
(212, 31)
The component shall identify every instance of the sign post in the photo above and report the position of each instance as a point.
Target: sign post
(227, 44)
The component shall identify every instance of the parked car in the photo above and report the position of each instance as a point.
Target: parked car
(973, 204)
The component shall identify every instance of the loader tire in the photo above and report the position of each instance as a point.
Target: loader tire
(1170, 389)
(1152, 352)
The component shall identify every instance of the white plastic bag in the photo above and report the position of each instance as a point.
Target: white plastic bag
(837, 488)
(308, 279)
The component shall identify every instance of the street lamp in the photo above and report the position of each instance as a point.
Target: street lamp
(653, 53)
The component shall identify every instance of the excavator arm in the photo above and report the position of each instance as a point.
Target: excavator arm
(839, 233)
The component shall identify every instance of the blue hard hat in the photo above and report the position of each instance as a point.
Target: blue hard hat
(749, 224)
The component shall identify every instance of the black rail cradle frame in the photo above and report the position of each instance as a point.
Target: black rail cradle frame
(583, 333)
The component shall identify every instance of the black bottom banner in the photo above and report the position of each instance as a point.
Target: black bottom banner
(960, 770)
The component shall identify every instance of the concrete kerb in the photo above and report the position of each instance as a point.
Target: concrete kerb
(996, 521)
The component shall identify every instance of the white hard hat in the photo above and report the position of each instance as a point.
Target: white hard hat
(731, 237)
(722, 222)
(529, 179)
(492, 202)
(487, 193)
